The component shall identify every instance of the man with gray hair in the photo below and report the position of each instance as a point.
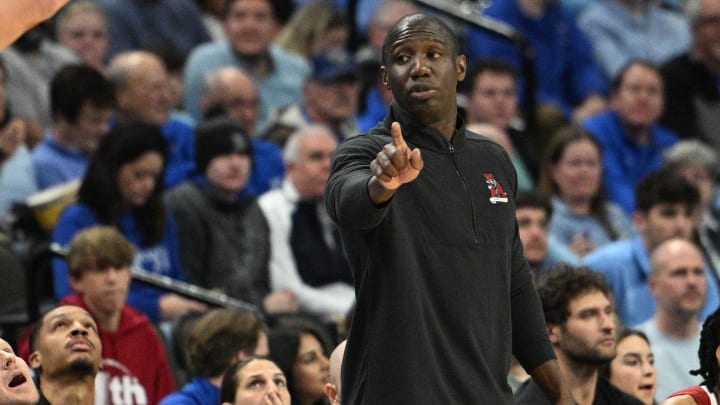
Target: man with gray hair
(140, 81)
(306, 252)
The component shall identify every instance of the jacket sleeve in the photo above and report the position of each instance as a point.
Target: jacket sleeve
(346, 193)
(531, 345)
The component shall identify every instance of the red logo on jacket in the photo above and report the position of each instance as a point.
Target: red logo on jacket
(497, 193)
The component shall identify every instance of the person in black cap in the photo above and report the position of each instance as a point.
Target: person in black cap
(223, 236)
(330, 98)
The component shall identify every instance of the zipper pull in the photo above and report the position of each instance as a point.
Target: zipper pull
(452, 148)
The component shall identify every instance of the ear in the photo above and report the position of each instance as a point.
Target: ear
(384, 74)
(331, 392)
(75, 283)
(639, 219)
(121, 97)
(717, 354)
(652, 284)
(35, 359)
(553, 333)
(461, 67)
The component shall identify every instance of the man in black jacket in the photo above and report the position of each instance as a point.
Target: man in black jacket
(444, 296)
(580, 318)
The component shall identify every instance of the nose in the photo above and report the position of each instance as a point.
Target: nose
(607, 322)
(684, 224)
(648, 369)
(78, 329)
(324, 363)
(7, 359)
(420, 68)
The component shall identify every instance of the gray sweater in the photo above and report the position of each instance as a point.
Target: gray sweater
(224, 245)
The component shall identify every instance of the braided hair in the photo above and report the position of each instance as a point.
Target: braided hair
(709, 342)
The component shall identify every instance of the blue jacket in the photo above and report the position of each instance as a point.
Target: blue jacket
(566, 72)
(199, 391)
(162, 258)
(55, 164)
(625, 162)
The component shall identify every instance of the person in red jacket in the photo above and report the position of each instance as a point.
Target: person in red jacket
(135, 368)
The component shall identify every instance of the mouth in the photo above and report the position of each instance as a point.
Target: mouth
(80, 346)
(16, 381)
(421, 91)
(608, 341)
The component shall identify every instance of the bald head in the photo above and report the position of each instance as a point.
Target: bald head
(235, 92)
(677, 280)
(674, 248)
(141, 86)
(419, 26)
(333, 389)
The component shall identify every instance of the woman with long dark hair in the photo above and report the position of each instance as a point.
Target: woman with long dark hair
(583, 218)
(123, 188)
(300, 353)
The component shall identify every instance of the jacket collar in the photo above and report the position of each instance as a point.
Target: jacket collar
(420, 135)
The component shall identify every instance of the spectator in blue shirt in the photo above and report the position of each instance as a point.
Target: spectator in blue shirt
(632, 141)
(568, 79)
(82, 102)
(666, 205)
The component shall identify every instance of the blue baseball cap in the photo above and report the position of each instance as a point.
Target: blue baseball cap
(333, 64)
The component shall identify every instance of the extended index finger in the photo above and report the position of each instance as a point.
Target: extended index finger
(397, 136)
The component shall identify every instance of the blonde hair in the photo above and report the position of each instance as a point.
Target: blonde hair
(99, 247)
(308, 24)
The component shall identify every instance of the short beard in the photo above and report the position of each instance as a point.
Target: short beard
(83, 367)
(593, 358)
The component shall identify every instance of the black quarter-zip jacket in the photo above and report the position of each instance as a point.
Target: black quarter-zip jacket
(444, 295)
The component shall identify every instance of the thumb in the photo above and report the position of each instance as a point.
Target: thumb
(416, 160)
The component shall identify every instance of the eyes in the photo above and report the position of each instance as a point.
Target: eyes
(66, 323)
(402, 57)
(260, 383)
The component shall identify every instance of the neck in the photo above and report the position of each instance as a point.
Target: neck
(711, 63)
(61, 135)
(108, 321)
(259, 65)
(331, 123)
(637, 7)
(582, 378)
(580, 206)
(446, 126)
(216, 381)
(640, 134)
(677, 325)
(532, 8)
(69, 390)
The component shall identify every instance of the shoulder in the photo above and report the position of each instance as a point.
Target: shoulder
(594, 13)
(288, 59)
(208, 50)
(615, 251)
(529, 393)
(613, 395)
(683, 399)
(665, 136)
